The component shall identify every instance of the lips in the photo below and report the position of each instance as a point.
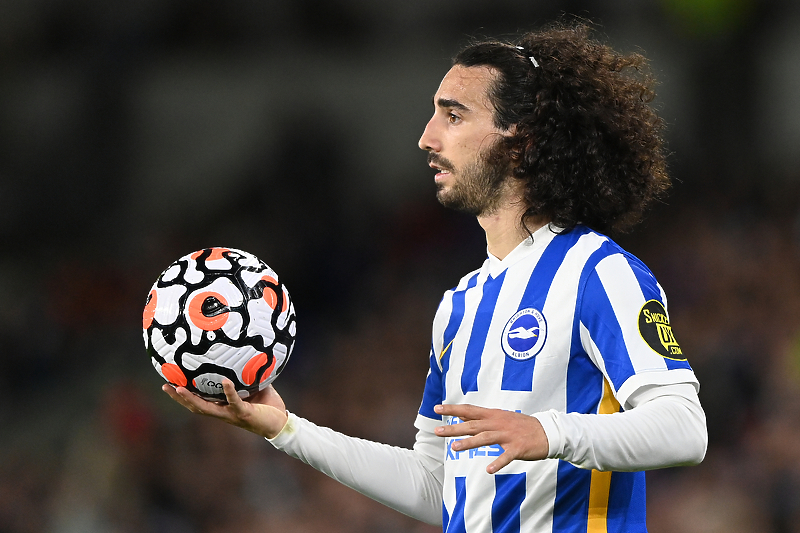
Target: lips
(440, 168)
(439, 164)
(441, 173)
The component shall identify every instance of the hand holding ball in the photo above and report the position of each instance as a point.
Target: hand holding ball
(219, 313)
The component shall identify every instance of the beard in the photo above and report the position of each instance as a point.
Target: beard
(477, 188)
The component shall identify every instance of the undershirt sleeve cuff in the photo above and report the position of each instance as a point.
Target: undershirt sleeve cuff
(287, 433)
(555, 437)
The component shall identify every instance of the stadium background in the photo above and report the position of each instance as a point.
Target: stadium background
(134, 132)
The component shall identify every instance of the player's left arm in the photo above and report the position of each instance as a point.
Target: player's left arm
(665, 427)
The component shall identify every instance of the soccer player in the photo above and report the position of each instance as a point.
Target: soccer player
(555, 378)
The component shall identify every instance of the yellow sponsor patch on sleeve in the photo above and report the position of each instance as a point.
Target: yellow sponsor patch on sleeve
(657, 333)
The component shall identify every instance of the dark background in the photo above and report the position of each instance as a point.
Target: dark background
(132, 133)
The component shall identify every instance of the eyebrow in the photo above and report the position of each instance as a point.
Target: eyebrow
(448, 102)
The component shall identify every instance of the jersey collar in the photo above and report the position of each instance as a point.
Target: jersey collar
(493, 266)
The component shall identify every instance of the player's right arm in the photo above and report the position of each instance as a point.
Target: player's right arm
(409, 481)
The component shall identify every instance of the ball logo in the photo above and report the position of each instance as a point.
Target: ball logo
(524, 334)
(210, 383)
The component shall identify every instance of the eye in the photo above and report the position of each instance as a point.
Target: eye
(452, 118)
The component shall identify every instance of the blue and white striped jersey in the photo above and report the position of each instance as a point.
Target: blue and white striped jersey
(569, 322)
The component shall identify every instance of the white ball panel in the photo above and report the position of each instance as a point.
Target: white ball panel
(171, 273)
(168, 303)
(193, 275)
(233, 327)
(260, 320)
(162, 347)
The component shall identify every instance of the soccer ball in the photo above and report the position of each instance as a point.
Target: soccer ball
(215, 313)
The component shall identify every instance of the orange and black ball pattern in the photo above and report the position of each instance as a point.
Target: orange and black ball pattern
(219, 313)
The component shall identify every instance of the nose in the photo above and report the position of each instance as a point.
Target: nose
(429, 140)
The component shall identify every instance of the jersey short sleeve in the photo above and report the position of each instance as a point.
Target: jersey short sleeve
(434, 389)
(625, 327)
(445, 325)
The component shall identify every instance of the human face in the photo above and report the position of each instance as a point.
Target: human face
(459, 136)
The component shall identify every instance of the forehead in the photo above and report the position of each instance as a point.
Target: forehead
(468, 86)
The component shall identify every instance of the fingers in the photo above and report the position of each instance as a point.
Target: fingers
(499, 463)
(486, 438)
(463, 411)
(474, 419)
(193, 402)
(471, 427)
(233, 398)
(266, 418)
(519, 436)
(176, 395)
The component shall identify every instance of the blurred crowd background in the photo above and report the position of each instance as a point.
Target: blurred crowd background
(132, 133)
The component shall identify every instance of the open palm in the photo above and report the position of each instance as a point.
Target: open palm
(262, 413)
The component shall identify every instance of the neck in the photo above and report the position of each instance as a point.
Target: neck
(504, 229)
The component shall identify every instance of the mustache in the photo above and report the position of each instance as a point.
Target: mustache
(441, 162)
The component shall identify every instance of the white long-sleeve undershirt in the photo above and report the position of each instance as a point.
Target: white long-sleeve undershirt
(665, 426)
(409, 481)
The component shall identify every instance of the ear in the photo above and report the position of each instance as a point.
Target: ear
(518, 146)
(507, 135)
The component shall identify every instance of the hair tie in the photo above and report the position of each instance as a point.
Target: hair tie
(533, 60)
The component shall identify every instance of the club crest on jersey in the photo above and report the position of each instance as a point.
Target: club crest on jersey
(524, 334)
(657, 333)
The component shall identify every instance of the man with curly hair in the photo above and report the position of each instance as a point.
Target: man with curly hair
(555, 379)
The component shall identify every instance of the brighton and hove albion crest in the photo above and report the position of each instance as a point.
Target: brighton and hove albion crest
(524, 334)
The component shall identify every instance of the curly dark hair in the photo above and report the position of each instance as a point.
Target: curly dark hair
(585, 140)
